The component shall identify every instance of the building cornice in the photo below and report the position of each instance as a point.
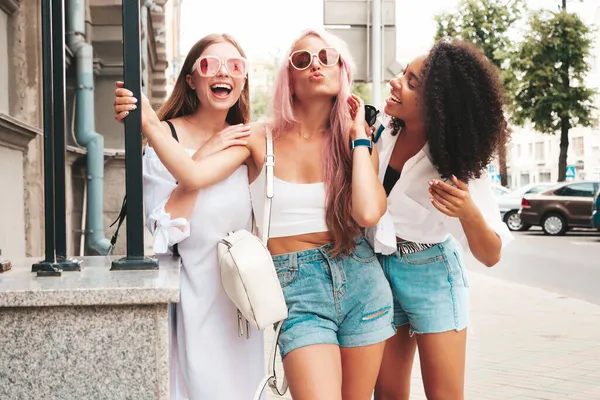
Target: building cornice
(10, 6)
(15, 134)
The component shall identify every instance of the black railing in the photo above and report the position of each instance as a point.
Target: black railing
(54, 121)
(132, 76)
(49, 266)
(59, 128)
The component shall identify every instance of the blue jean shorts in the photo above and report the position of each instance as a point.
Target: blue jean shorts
(430, 287)
(342, 300)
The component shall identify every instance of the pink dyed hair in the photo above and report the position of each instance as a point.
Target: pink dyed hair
(337, 158)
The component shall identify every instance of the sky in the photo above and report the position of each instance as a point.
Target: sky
(266, 28)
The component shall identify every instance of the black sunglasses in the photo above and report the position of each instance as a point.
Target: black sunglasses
(371, 114)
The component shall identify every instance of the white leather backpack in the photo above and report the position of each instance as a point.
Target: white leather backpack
(249, 277)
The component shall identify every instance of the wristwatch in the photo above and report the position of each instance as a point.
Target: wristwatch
(362, 142)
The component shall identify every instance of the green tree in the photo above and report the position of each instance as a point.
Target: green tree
(552, 65)
(262, 95)
(260, 103)
(362, 90)
(486, 23)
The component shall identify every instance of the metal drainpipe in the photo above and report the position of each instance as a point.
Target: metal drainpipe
(144, 45)
(85, 126)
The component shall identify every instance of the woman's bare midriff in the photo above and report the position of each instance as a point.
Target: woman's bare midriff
(291, 244)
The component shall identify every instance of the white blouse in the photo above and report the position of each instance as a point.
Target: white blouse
(410, 214)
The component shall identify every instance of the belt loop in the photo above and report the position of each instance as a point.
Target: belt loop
(324, 252)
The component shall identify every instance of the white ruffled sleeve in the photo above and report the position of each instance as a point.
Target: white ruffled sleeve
(158, 186)
(481, 193)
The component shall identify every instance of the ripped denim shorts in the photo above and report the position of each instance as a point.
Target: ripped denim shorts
(343, 300)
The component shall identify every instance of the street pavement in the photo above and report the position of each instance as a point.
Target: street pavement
(569, 264)
(534, 339)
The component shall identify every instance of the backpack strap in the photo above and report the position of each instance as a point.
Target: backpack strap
(123, 213)
(270, 379)
(269, 187)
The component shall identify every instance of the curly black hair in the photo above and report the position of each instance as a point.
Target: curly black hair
(463, 108)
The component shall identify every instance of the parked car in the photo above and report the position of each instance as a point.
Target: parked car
(596, 211)
(499, 190)
(510, 204)
(561, 207)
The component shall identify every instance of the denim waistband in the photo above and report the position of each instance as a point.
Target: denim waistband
(317, 253)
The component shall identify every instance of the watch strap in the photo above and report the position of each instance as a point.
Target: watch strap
(362, 142)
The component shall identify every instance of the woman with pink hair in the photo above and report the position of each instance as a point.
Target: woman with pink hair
(326, 189)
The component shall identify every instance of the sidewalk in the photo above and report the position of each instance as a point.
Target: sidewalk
(525, 344)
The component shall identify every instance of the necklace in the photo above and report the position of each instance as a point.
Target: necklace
(307, 135)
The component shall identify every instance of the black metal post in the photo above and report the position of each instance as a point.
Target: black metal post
(132, 76)
(49, 266)
(60, 146)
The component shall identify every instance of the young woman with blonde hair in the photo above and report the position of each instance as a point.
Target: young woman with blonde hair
(207, 112)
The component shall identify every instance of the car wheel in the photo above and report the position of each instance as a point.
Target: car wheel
(513, 221)
(554, 225)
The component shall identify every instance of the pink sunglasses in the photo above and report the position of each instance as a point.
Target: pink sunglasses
(209, 66)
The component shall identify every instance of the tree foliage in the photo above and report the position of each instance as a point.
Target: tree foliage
(485, 23)
(363, 90)
(262, 88)
(552, 64)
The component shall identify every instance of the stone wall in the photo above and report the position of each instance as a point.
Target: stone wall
(24, 95)
(14, 140)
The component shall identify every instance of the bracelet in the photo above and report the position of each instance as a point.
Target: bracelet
(362, 142)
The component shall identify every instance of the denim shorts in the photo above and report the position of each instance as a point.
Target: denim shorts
(430, 287)
(342, 300)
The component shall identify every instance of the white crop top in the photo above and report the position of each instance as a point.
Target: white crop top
(296, 208)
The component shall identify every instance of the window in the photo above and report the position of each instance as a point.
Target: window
(537, 189)
(578, 146)
(530, 149)
(583, 189)
(539, 151)
(545, 177)
(499, 190)
(524, 179)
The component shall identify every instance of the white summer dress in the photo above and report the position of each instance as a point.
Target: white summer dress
(209, 361)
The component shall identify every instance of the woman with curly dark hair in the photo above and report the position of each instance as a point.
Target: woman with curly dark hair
(447, 120)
